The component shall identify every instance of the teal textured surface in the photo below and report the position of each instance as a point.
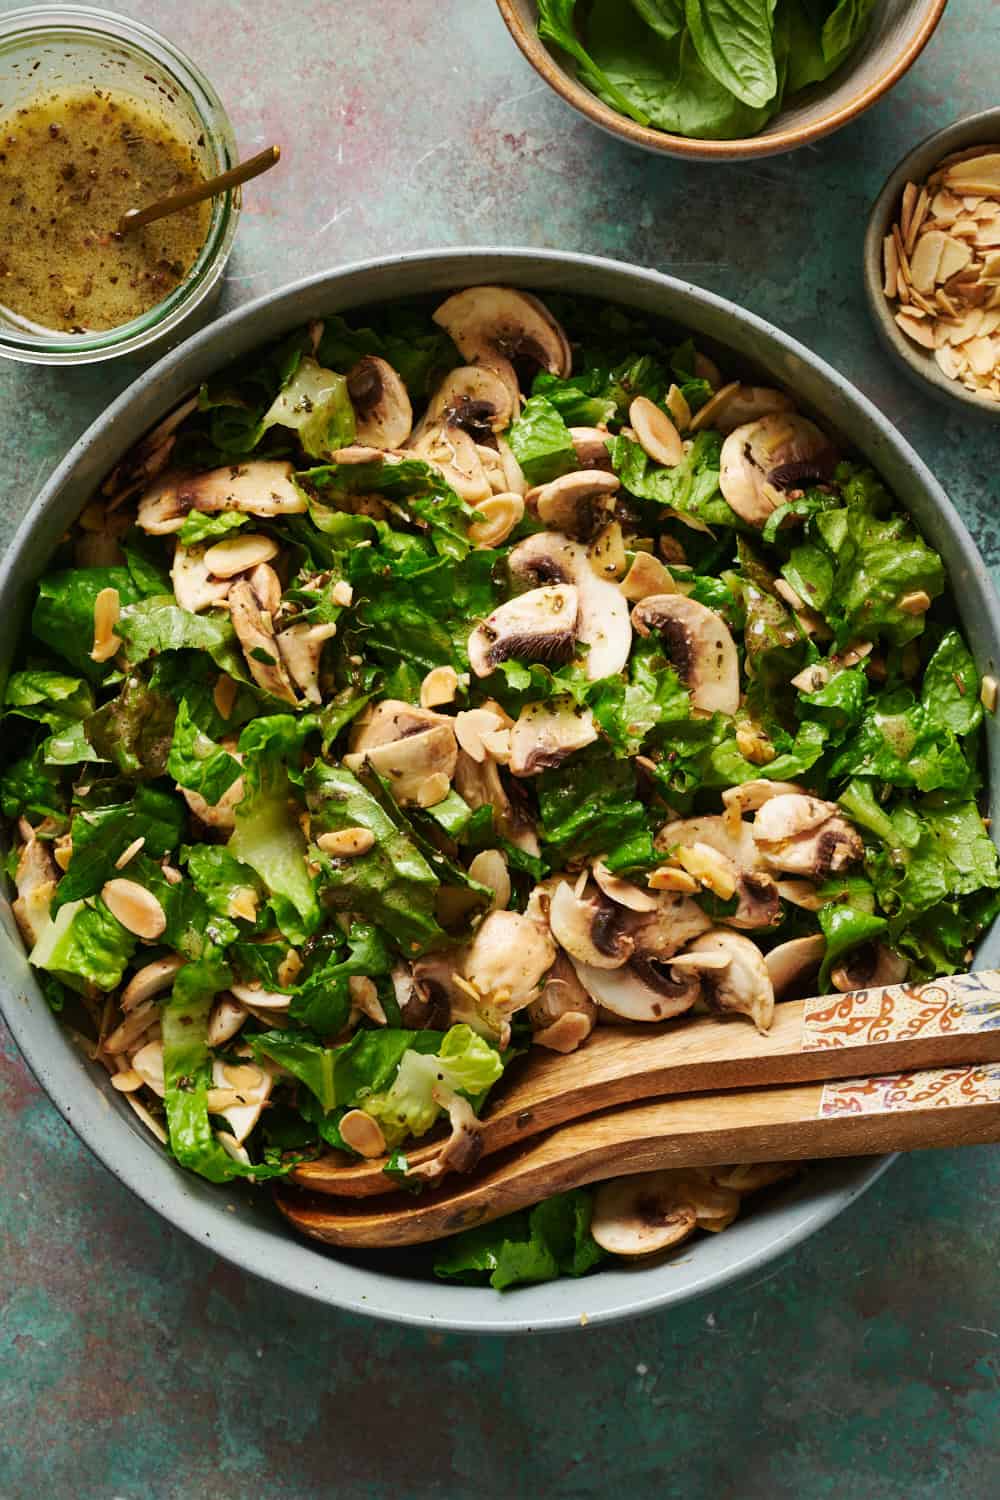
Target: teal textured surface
(131, 1362)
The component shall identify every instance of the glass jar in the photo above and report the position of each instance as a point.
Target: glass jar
(47, 48)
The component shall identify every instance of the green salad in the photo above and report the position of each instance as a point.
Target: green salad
(439, 684)
(711, 69)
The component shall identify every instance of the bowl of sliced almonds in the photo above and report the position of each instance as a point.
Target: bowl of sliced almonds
(932, 262)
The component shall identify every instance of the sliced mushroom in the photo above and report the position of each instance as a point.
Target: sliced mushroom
(793, 966)
(714, 830)
(474, 398)
(758, 904)
(577, 504)
(496, 326)
(744, 986)
(480, 785)
(251, 1082)
(749, 403)
(804, 835)
(149, 457)
(653, 1211)
(507, 958)
(590, 928)
(546, 733)
(623, 892)
(870, 966)
(423, 993)
(642, 990)
(392, 719)
(752, 795)
(382, 411)
(564, 1014)
(301, 648)
(603, 622)
(762, 459)
(264, 487)
(676, 920)
(226, 1018)
(699, 645)
(537, 626)
(409, 763)
(453, 452)
(255, 633)
(647, 576)
(36, 878)
(591, 447)
(152, 979)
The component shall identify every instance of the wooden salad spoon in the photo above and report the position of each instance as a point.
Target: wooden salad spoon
(955, 1106)
(895, 1029)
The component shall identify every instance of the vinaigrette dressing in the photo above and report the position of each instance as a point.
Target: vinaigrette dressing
(70, 165)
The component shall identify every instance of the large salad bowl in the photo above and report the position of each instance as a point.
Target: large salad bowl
(240, 1223)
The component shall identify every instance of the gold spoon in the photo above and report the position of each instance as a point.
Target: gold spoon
(135, 218)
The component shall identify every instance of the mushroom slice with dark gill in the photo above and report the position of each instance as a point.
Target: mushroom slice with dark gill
(590, 445)
(537, 626)
(870, 966)
(479, 783)
(763, 459)
(301, 646)
(36, 878)
(758, 902)
(392, 719)
(589, 927)
(603, 623)
(700, 648)
(644, 989)
(382, 412)
(804, 835)
(500, 327)
(474, 398)
(264, 487)
(564, 1015)
(577, 504)
(453, 453)
(653, 1211)
(744, 986)
(546, 733)
(410, 764)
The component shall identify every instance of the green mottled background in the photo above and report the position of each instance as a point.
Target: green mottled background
(132, 1363)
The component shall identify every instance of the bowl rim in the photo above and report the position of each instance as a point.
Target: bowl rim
(197, 1208)
(741, 148)
(920, 363)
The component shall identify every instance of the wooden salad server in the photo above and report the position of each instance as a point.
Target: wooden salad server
(895, 1029)
(953, 1106)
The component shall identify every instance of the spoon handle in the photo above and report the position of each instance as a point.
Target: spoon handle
(894, 1029)
(955, 1106)
(135, 218)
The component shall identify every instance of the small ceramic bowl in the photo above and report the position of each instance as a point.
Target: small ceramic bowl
(973, 130)
(897, 34)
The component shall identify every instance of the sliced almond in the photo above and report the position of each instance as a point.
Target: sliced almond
(981, 355)
(890, 265)
(137, 909)
(128, 854)
(439, 686)
(224, 695)
(708, 413)
(677, 406)
(489, 868)
(342, 593)
(710, 868)
(955, 256)
(916, 603)
(434, 790)
(107, 613)
(907, 202)
(498, 745)
(919, 215)
(470, 725)
(346, 843)
(948, 362)
(925, 261)
(988, 693)
(920, 332)
(978, 174)
(243, 903)
(647, 576)
(362, 1133)
(669, 878)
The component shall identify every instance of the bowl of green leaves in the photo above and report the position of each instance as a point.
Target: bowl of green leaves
(720, 80)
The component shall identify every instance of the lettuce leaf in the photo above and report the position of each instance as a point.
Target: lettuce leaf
(267, 836)
(540, 441)
(103, 831)
(134, 729)
(196, 762)
(587, 805)
(84, 945)
(464, 1063)
(63, 616)
(550, 1240)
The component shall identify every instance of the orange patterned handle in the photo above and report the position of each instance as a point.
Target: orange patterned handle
(959, 1004)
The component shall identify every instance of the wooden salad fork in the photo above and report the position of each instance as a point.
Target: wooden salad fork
(952, 1106)
(892, 1030)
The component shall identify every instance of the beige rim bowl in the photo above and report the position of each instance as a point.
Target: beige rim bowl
(898, 32)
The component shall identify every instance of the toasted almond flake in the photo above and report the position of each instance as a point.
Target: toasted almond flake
(151, 1123)
(945, 206)
(107, 613)
(489, 868)
(706, 416)
(434, 790)
(171, 874)
(346, 843)
(890, 264)
(925, 260)
(916, 603)
(439, 686)
(129, 853)
(946, 305)
(136, 908)
(948, 362)
(243, 903)
(62, 851)
(364, 997)
(343, 594)
(713, 870)
(135, 1025)
(919, 215)
(906, 209)
(955, 257)
(975, 175)
(668, 878)
(678, 408)
(497, 744)
(289, 969)
(988, 693)
(926, 304)
(362, 1133)
(920, 333)
(224, 695)
(646, 576)
(981, 355)
(470, 725)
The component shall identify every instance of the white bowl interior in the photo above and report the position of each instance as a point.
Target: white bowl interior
(238, 1222)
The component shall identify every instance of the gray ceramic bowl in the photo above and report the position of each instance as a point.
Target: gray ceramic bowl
(981, 129)
(237, 1222)
(898, 32)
